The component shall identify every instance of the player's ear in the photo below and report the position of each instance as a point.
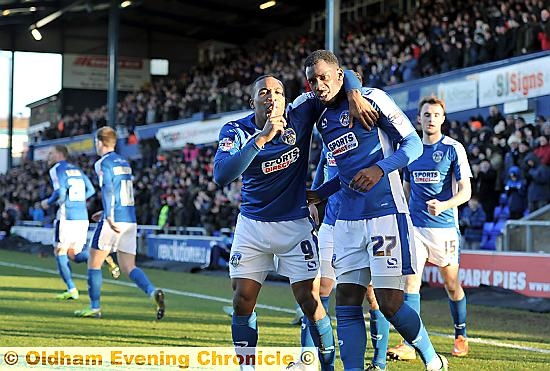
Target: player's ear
(340, 74)
(251, 102)
(418, 119)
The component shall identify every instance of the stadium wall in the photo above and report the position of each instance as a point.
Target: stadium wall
(515, 85)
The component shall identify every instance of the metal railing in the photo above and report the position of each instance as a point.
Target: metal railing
(528, 234)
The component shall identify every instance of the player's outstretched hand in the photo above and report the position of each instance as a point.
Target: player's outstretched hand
(367, 178)
(314, 213)
(97, 216)
(44, 204)
(436, 207)
(312, 197)
(274, 125)
(362, 110)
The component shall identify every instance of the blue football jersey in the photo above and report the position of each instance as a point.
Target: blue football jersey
(433, 176)
(71, 190)
(330, 171)
(355, 148)
(117, 189)
(274, 183)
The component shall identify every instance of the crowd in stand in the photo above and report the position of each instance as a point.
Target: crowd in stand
(439, 36)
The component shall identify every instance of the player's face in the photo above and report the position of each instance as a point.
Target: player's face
(268, 93)
(325, 80)
(431, 118)
(52, 157)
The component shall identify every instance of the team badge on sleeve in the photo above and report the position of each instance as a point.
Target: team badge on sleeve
(344, 118)
(227, 144)
(289, 137)
(397, 118)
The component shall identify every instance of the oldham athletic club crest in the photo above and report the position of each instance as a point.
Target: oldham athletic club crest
(344, 118)
(289, 137)
(437, 156)
(235, 259)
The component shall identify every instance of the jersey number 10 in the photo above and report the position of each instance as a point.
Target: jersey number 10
(126, 193)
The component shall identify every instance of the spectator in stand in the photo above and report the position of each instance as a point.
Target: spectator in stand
(516, 191)
(483, 185)
(471, 222)
(494, 117)
(542, 151)
(544, 33)
(538, 177)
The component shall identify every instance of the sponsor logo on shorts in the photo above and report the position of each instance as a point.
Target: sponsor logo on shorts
(282, 162)
(330, 159)
(426, 176)
(342, 144)
(289, 137)
(437, 156)
(392, 262)
(235, 259)
(344, 118)
(333, 260)
(311, 266)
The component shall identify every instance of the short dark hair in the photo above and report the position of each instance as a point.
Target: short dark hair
(61, 149)
(432, 99)
(260, 78)
(321, 55)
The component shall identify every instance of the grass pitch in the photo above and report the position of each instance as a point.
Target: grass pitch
(501, 339)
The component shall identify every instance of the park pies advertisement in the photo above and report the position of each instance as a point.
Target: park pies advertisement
(156, 358)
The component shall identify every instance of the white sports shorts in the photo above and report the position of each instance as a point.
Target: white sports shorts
(326, 249)
(440, 246)
(256, 244)
(107, 239)
(384, 244)
(71, 234)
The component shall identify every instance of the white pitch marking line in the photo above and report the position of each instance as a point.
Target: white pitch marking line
(262, 306)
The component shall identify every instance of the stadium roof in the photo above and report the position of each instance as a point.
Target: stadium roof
(234, 21)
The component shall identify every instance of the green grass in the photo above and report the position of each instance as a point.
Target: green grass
(29, 316)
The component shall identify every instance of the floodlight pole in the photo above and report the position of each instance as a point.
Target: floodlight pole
(10, 110)
(332, 28)
(113, 67)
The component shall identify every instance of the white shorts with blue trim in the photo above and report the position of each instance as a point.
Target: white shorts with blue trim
(326, 249)
(71, 234)
(256, 244)
(107, 239)
(384, 244)
(440, 246)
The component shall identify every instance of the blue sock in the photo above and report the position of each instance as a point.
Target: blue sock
(244, 330)
(140, 279)
(379, 333)
(323, 338)
(94, 287)
(65, 270)
(408, 323)
(305, 335)
(82, 256)
(352, 336)
(459, 313)
(413, 301)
